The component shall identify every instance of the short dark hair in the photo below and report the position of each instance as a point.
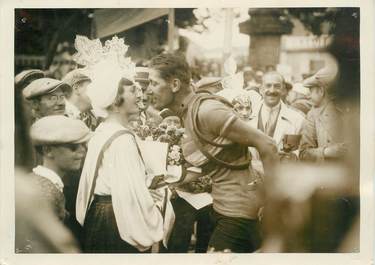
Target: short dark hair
(42, 149)
(69, 48)
(172, 65)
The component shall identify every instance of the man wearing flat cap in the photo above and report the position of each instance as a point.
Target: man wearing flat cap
(322, 137)
(23, 149)
(21, 81)
(47, 96)
(210, 84)
(78, 104)
(61, 143)
(24, 78)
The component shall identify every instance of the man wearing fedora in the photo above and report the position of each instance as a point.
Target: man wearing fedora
(322, 137)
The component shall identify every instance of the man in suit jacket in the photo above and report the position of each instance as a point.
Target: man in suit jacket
(272, 116)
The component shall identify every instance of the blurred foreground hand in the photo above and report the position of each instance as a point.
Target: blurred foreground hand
(311, 208)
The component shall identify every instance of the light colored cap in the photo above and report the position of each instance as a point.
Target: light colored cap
(300, 88)
(27, 76)
(58, 129)
(44, 86)
(323, 78)
(75, 76)
(208, 82)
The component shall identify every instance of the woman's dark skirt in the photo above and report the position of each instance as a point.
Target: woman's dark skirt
(101, 234)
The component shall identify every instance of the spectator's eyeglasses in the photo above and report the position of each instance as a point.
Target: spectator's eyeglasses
(56, 98)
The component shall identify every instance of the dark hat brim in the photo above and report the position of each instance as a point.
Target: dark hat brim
(22, 80)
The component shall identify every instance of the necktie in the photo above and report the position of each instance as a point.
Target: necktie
(271, 121)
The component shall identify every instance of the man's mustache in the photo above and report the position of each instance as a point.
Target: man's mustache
(272, 94)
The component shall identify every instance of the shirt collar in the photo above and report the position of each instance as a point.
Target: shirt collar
(71, 110)
(271, 109)
(110, 126)
(50, 175)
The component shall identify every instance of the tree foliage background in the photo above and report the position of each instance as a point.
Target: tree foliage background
(39, 31)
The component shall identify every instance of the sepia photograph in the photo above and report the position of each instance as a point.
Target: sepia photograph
(175, 130)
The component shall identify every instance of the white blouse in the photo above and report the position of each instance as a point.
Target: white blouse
(121, 175)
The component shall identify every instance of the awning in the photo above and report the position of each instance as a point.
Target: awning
(110, 21)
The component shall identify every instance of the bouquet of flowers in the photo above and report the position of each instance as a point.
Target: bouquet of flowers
(145, 131)
(165, 133)
(172, 134)
(175, 157)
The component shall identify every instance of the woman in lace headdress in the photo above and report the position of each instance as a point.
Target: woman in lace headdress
(117, 211)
